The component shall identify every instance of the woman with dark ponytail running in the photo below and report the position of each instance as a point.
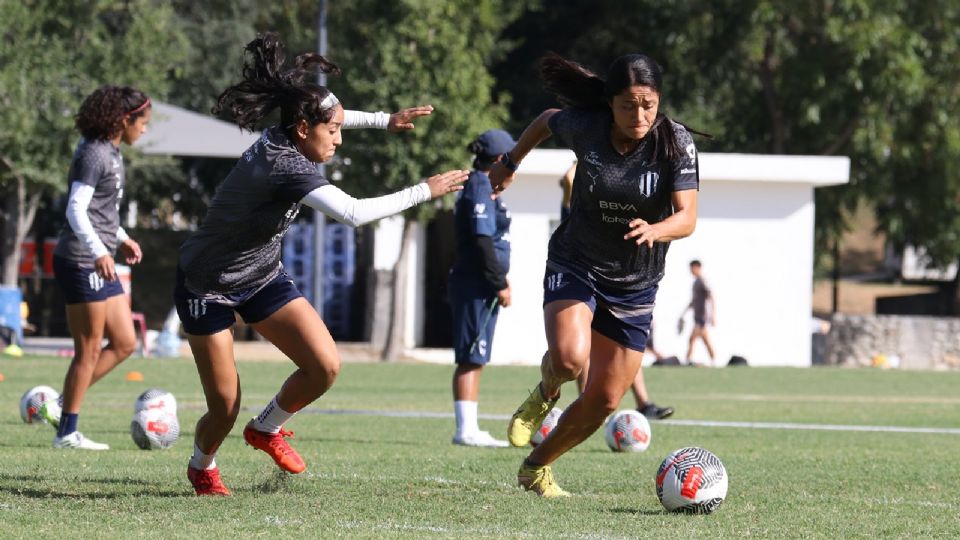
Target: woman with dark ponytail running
(635, 191)
(231, 264)
(83, 261)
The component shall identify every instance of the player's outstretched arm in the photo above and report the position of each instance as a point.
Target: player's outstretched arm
(339, 205)
(399, 121)
(501, 175)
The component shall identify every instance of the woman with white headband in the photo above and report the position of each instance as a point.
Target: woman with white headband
(231, 264)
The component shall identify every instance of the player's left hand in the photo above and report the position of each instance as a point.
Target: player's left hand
(643, 232)
(130, 250)
(403, 120)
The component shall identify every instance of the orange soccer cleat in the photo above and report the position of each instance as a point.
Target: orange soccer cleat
(207, 482)
(276, 447)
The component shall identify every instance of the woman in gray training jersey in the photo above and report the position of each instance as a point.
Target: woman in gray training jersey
(231, 264)
(83, 261)
(635, 191)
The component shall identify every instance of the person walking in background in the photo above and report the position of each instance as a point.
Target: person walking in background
(703, 315)
(478, 283)
(635, 192)
(231, 264)
(83, 261)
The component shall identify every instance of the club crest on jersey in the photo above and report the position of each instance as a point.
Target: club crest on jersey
(648, 183)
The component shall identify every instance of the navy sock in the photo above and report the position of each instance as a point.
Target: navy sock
(68, 424)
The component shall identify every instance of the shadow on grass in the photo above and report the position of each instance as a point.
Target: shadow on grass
(53, 494)
(108, 481)
(637, 512)
(18, 488)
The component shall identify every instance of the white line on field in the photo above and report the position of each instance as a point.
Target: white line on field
(698, 423)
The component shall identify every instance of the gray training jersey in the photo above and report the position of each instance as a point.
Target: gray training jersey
(98, 164)
(236, 250)
(610, 190)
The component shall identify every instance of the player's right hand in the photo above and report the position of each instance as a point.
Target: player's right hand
(105, 268)
(447, 182)
(500, 178)
(504, 297)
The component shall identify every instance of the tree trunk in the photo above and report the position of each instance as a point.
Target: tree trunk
(953, 295)
(398, 307)
(16, 215)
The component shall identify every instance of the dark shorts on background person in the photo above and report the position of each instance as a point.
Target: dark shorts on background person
(206, 317)
(81, 285)
(473, 321)
(623, 316)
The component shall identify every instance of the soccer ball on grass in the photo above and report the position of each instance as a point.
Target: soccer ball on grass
(691, 480)
(31, 401)
(628, 431)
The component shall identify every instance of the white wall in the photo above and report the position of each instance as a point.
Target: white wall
(754, 237)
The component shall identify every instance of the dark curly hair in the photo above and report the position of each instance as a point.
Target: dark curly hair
(102, 112)
(265, 87)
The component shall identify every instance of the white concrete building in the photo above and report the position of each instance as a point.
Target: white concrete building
(754, 237)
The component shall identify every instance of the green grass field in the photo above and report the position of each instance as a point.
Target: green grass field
(373, 476)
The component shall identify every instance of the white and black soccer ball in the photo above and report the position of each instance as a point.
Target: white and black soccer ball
(691, 480)
(156, 398)
(546, 426)
(154, 429)
(628, 431)
(31, 401)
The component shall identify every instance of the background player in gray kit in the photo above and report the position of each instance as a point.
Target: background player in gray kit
(635, 192)
(703, 315)
(231, 264)
(83, 263)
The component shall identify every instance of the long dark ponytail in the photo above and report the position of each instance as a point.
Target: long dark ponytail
(265, 87)
(577, 87)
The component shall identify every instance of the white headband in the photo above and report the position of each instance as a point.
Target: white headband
(329, 102)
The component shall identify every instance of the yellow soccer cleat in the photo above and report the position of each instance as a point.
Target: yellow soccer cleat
(528, 417)
(540, 481)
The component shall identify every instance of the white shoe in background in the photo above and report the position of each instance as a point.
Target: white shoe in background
(78, 441)
(479, 438)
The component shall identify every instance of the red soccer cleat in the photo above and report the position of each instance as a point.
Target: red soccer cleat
(273, 444)
(207, 482)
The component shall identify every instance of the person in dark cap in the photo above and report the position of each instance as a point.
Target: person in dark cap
(478, 282)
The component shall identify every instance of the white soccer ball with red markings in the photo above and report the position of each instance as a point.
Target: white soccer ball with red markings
(154, 429)
(546, 426)
(31, 401)
(628, 431)
(156, 398)
(691, 480)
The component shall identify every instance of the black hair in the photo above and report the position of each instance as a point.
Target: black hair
(577, 87)
(481, 160)
(265, 87)
(102, 112)
(695, 262)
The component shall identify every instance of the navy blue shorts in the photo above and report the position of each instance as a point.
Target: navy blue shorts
(473, 320)
(623, 316)
(81, 284)
(206, 317)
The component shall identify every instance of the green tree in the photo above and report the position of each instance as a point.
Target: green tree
(51, 56)
(412, 52)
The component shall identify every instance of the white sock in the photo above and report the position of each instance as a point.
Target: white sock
(201, 461)
(272, 418)
(466, 414)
